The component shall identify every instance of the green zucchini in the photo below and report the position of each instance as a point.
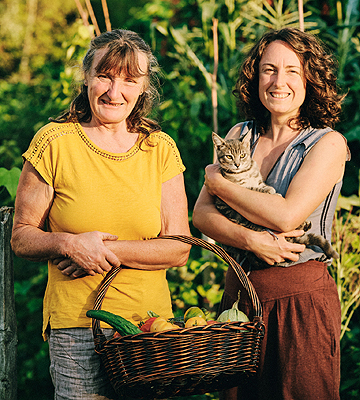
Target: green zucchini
(120, 324)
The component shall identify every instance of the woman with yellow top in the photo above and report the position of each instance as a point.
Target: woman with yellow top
(96, 183)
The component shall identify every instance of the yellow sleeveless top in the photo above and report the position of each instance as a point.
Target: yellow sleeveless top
(96, 190)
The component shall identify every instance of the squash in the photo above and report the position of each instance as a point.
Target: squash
(195, 321)
(233, 314)
(161, 324)
(194, 312)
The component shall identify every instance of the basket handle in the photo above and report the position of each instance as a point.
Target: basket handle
(193, 241)
(218, 250)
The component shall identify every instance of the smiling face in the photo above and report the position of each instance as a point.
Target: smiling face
(282, 86)
(112, 96)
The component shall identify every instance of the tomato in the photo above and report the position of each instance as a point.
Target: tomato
(145, 327)
(194, 312)
(195, 321)
(211, 321)
(161, 324)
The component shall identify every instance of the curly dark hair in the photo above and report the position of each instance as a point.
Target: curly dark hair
(122, 47)
(322, 104)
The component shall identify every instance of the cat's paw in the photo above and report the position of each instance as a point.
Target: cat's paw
(305, 226)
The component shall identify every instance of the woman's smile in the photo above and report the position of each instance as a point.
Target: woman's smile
(279, 95)
(111, 104)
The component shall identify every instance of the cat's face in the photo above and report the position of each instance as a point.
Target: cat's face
(233, 154)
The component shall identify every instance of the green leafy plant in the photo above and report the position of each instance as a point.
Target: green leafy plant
(346, 269)
(9, 179)
(199, 283)
(350, 363)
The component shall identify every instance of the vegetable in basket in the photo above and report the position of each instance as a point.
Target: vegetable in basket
(233, 314)
(120, 324)
(194, 312)
(161, 324)
(195, 321)
(145, 326)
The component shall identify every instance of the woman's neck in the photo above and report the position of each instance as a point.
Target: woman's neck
(110, 138)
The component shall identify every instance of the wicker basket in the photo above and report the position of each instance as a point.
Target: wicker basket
(182, 362)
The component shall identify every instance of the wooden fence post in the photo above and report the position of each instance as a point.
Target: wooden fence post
(8, 335)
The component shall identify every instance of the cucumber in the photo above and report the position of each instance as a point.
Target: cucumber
(120, 324)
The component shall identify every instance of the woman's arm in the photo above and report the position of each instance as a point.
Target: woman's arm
(160, 254)
(322, 168)
(215, 225)
(31, 241)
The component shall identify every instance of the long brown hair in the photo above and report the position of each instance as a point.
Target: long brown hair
(322, 104)
(123, 47)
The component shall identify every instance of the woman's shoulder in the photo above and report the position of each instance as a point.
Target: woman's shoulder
(48, 137)
(161, 138)
(236, 131)
(55, 129)
(335, 141)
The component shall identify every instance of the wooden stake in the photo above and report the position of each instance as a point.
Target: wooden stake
(301, 15)
(106, 15)
(214, 76)
(92, 16)
(8, 334)
(82, 13)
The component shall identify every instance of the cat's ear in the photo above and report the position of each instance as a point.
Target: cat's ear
(218, 141)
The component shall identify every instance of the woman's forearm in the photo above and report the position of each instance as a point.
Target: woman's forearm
(213, 224)
(216, 226)
(152, 254)
(35, 244)
(260, 208)
(85, 250)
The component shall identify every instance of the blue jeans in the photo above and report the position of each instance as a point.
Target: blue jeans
(75, 367)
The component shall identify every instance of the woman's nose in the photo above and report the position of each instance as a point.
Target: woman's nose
(115, 89)
(280, 78)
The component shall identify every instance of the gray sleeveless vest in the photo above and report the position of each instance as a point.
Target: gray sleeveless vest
(283, 172)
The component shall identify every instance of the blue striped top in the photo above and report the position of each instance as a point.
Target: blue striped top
(283, 172)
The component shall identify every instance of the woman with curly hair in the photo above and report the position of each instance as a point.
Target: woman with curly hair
(287, 91)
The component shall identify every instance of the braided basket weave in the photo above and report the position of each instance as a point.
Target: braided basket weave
(182, 362)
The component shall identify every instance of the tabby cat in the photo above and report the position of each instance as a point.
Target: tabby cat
(237, 166)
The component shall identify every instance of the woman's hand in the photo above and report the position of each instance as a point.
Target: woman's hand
(274, 248)
(213, 178)
(67, 267)
(87, 255)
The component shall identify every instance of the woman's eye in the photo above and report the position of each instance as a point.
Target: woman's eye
(268, 70)
(103, 77)
(131, 81)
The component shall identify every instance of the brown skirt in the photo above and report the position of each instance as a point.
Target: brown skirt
(300, 358)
